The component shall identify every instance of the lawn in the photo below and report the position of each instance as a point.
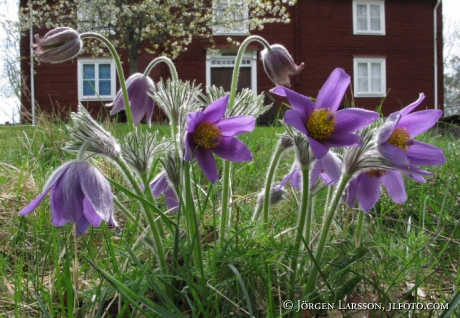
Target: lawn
(405, 257)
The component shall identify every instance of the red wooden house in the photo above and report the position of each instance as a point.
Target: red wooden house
(391, 48)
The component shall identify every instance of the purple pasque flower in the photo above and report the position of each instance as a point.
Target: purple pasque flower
(208, 132)
(366, 188)
(322, 122)
(159, 186)
(80, 194)
(279, 65)
(139, 87)
(329, 169)
(58, 45)
(396, 144)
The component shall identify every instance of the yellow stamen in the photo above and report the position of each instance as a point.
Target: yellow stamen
(376, 173)
(321, 123)
(207, 135)
(399, 138)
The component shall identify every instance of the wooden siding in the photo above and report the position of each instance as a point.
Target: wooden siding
(320, 35)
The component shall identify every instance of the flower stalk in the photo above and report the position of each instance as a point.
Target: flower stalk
(121, 75)
(327, 221)
(226, 195)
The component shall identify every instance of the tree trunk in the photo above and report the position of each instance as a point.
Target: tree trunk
(133, 57)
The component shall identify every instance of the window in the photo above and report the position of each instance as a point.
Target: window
(230, 20)
(369, 77)
(96, 79)
(369, 17)
(219, 70)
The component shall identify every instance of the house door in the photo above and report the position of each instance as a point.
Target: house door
(222, 77)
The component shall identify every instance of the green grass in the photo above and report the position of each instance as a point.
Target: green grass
(404, 248)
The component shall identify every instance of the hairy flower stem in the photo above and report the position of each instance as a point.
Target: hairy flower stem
(327, 221)
(192, 222)
(268, 183)
(359, 229)
(75, 268)
(121, 75)
(164, 59)
(226, 197)
(302, 221)
(148, 214)
(175, 78)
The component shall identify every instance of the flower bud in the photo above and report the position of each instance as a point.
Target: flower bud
(279, 65)
(58, 45)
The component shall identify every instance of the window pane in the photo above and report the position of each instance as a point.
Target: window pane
(88, 88)
(375, 11)
(362, 85)
(361, 19)
(376, 86)
(375, 17)
(376, 70)
(104, 71)
(88, 71)
(362, 69)
(104, 87)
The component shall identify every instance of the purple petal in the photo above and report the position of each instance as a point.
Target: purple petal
(294, 177)
(332, 166)
(90, 214)
(349, 197)
(368, 191)
(394, 183)
(67, 198)
(353, 119)
(419, 122)
(331, 94)
(207, 163)
(190, 146)
(236, 125)
(394, 155)
(172, 201)
(388, 127)
(406, 110)
(49, 184)
(214, 112)
(97, 190)
(300, 103)
(82, 226)
(297, 120)
(342, 139)
(232, 149)
(319, 150)
(193, 120)
(424, 154)
(159, 185)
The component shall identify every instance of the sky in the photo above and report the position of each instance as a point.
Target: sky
(8, 10)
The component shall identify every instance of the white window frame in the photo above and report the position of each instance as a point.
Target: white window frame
(221, 59)
(97, 61)
(369, 60)
(368, 3)
(219, 7)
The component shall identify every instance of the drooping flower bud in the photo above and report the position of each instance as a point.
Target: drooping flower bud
(279, 65)
(58, 45)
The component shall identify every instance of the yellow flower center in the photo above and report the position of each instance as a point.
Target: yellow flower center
(376, 173)
(207, 135)
(399, 138)
(321, 123)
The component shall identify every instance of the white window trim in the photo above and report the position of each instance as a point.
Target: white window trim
(383, 80)
(381, 3)
(245, 14)
(249, 56)
(112, 77)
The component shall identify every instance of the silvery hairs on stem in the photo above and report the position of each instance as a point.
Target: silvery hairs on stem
(277, 194)
(365, 157)
(140, 148)
(171, 166)
(245, 102)
(177, 99)
(86, 130)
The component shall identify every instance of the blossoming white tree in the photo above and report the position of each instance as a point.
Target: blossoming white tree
(167, 26)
